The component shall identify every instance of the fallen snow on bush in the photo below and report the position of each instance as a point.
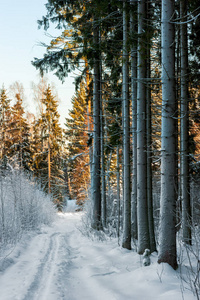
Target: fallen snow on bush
(23, 207)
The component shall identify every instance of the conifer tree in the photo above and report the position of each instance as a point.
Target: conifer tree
(126, 136)
(48, 162)
(133, 54)
(5, 118)
(184, 134)
(142, 206)
(77, 146)
(167, 248)
(19, 130)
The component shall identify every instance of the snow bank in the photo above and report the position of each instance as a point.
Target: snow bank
(23, 207)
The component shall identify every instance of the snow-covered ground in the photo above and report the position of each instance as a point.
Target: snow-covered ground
(58, 262)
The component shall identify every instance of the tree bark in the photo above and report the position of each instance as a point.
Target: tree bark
(96, 168)
(133, 31)
(89, 127)
(149, 140)
(167, 249)
(185, 184)
(103, 180)
(142, 206)
(126, 242)
(49, 165)
(118, 194)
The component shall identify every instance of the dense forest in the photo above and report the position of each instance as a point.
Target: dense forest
(131, 141)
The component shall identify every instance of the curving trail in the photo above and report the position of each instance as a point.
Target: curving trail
(40, 268)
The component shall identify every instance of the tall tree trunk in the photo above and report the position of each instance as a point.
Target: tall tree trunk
(89, 127)
(167, 249)
(49, 166)
(142, 205)
(149, 139)
(177, 76)
(103, 180)
(185, 184)
(126, 242)
(67, 183)
(133, 31)
(118, 194)
(96, 170)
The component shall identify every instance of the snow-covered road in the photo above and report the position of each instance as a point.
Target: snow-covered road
(59, 263)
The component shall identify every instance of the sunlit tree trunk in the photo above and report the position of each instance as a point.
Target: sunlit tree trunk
(167, 247)
(89, 127)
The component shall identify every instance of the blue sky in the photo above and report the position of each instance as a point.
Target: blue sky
(19, 44)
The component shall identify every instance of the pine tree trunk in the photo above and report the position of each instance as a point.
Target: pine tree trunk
(89, 117)
(149, 168)
(49, 166)
(149, 142)
(185, 184)
(167, 249)
(118, 194)
(142, 206)
(108, 177)
(133, 32)
(67, 183)
(126, 242)
(103, 180)
(96, 168)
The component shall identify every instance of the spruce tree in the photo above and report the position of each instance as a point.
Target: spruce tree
(19, 133)
(5, 119)
(48, 136)
(142, 206)
(167, 248)
(184, 130)
(78, 139)
(126, 243)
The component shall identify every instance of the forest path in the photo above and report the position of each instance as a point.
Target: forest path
(51, 266)
(59, 263)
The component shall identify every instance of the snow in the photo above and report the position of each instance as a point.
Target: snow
(58, 262)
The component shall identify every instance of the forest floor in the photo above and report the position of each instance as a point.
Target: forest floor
(58, 262)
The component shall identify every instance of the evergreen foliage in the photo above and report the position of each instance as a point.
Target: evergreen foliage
(19, 131)
(48, 144)
(116, 46)
(76, 134)
(5, 119)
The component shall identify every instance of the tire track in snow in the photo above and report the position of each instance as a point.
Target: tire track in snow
(43, 279)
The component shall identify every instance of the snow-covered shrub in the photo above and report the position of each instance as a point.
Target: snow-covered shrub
(23, 206)
(146, 260)
(195, 197)
(189, 263)
(86, 226)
